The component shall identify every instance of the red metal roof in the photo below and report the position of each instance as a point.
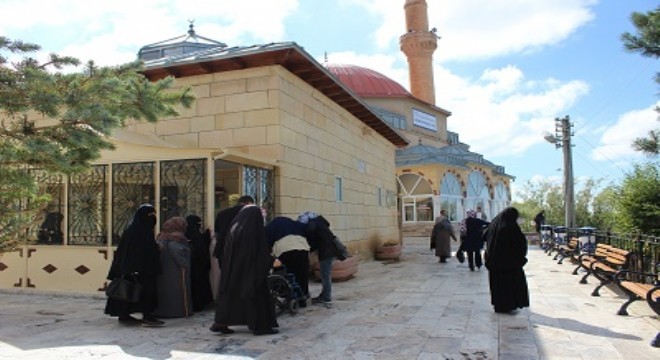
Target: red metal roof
(366, 82)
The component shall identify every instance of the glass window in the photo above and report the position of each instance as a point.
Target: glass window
(478, 195)
(501, 200)
(258, 183)
(339, 190)
(87, 211)
(182, 188)
(49, 230)
(424, 208)
(451, 197)
(132, 186)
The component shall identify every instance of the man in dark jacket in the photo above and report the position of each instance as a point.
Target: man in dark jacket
(539, 220)
(320, 239)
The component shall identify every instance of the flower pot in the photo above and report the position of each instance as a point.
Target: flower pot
(341, 270)
(388, 252)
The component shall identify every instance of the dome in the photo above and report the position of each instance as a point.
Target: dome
(366, 82)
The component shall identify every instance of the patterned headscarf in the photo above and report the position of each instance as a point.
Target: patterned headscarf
(174, 229)
(470, 214)
(305, 216)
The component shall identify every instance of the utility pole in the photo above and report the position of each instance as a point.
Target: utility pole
(562, 139)
(563, 133)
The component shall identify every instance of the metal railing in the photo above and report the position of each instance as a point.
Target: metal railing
(646, 248)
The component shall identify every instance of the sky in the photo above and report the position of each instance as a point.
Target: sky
(505, 69)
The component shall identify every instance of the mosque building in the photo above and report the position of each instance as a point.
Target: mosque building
(268, 121)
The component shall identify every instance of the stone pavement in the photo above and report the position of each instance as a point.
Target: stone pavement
(416, 308)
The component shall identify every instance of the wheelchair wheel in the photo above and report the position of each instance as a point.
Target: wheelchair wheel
(279, 291)
(293, 306)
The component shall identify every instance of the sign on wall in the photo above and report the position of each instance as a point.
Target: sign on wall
(424, 120)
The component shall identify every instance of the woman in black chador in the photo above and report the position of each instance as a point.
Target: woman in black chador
(243, 296)
(137, 253)
(200, 262)
(506, 251)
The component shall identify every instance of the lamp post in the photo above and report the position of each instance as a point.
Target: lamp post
(562, 139)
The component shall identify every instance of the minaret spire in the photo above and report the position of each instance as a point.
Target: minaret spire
(418, 44)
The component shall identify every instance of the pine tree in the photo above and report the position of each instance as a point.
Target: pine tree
(646, 43)
(80, 109)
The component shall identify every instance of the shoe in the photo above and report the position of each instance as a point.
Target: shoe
(221, 329)
(471, 268)
(270, 331)
(152, 322)
(129, 320)
(320, 300)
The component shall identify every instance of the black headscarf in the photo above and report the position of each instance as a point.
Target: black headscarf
(506, 245)
(137, 251)
(199, 242)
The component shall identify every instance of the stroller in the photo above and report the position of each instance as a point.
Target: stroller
(285, 290)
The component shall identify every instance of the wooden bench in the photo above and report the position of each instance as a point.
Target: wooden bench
(572, 250)
(604, 265)
(640, 286)
(584, 261)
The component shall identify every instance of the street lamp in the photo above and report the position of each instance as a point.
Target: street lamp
(562, 139)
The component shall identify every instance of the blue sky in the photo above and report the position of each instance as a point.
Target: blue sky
(505, 69)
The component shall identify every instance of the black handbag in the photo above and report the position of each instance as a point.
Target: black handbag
(124, 288)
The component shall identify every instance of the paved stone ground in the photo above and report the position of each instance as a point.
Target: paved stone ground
(412, 309)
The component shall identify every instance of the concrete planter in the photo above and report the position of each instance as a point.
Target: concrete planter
(388, 252)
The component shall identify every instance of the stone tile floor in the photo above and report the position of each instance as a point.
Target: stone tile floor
(415, 308)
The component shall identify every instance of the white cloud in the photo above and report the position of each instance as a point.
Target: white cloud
(129, 25)
(616, 141)
(477, 29)
(501, 113)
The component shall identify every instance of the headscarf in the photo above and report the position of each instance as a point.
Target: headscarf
(174, 229)
(305, 216)
(470, 214)
(505, 243)
(137, 251)
(282, 226)
(194, 226)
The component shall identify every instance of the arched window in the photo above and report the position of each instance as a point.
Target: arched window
(451, 197)
(501, 199)
(477, 194)
(416, 198)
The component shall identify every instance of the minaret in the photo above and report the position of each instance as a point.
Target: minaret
(419, 44)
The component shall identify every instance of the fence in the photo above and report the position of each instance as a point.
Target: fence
(645, 247)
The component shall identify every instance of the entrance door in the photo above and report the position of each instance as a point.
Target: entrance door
(233, 180)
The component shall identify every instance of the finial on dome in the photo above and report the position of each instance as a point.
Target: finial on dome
(191, 29)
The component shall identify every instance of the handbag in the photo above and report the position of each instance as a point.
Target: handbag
(124, 288)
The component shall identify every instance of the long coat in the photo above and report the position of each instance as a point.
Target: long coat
(440, 238)
(506, 254)
(200, 263)
(174, 287)
(243, 295)
(137, 253)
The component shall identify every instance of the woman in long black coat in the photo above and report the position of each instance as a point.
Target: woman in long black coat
(200, 262)
(506, 254)
(137, 253)
(243, 295)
